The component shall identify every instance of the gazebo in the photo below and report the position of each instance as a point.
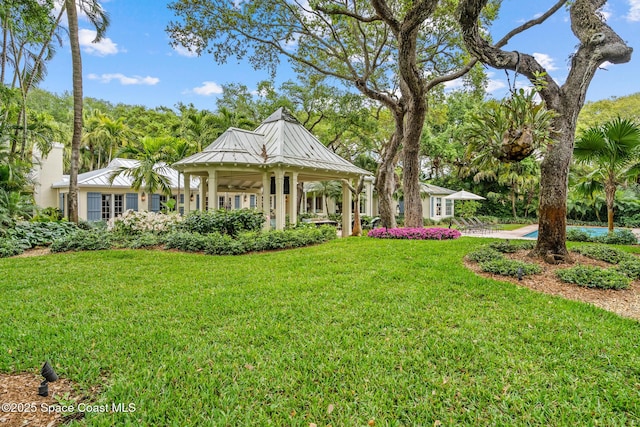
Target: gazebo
(270, 160)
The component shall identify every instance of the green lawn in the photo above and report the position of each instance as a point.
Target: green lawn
(509, 227)
(341, 333)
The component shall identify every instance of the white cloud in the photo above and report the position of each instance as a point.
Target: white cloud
(208, 88)
(125, 80)
(605, 11)
(494, 85)
(102, 48)
(634, 11)
(183, 51)
(545, 60)
(454, 84)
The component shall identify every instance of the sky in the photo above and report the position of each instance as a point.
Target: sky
(135, 64)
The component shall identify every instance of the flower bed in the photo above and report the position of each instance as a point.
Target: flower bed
(415, 233)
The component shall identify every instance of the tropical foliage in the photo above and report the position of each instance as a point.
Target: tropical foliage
(613, 149)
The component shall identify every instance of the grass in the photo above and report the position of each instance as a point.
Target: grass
(342, 333)
(509, 227)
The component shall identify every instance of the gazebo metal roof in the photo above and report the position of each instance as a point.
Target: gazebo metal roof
(279, 141)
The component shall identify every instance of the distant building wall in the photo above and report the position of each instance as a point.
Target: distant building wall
(46, 171)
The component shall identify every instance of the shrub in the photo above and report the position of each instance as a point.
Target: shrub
(222, 244)
(83, 240)
(630, 267)
(139, 241)
(618, 237)
(508, 247)
(40, 233)
(602, 253)
(594, 277)
(509, 267)
(577, 235)
(224, 222)
(132, 222)
(184, 241)
(484, 255)
(48, 214)
(415, 233)
(632, 221)
(12, 247)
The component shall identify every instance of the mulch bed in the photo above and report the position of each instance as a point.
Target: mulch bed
(624, 302)
(22, 406)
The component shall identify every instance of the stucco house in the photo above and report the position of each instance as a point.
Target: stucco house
(98, 197)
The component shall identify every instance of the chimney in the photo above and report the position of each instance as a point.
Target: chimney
(47, 171)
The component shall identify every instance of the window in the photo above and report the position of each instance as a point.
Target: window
(252, 201)
(62, 204)
(154, 202)
(105, 207)
(182, 204)
(220, 202)
(132, 201)
(94, 206)
(438, 206)
(448, 207)
(118, 204)
(236, 202)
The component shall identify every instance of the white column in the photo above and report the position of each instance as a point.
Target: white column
(303, 208)
(293, 198)
(280, 202)
(346, 210)
(203, 191)
(187, 193)
(368, 185)
(266, 199)
(213, 190)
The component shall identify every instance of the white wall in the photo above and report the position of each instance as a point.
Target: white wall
(47, 171)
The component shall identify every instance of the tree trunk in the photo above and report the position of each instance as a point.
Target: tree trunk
(72, 17)
(554, 180)
(385, 178)
(610, 195)
(411, 164)
(357, 226)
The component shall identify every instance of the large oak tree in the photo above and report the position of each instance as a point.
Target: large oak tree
(597, 44)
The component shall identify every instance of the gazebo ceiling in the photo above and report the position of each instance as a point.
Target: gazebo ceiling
(241, 156)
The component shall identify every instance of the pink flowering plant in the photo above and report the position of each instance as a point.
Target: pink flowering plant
(415, 233)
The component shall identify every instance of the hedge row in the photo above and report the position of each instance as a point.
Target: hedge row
(211, 243)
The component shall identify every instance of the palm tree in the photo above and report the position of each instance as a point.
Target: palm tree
(199, 127)
(151, 172)
(614, 149)
(226, 118)
(99, 19)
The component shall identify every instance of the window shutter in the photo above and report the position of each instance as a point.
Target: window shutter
(94, 206)
(155, 203)
(62, 206)
(132, 201)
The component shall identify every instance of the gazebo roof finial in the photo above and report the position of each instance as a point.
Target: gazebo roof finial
(281, 114)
